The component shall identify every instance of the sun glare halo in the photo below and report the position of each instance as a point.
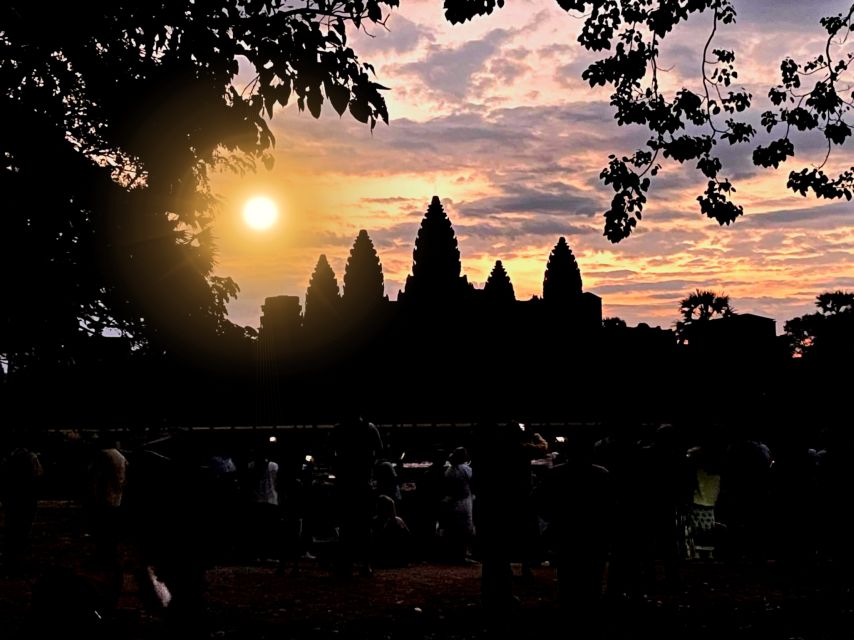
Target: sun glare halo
(260, 213)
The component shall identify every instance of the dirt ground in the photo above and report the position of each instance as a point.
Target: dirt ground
(427, 601)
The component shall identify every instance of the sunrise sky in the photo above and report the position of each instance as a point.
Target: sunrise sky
(494, 118)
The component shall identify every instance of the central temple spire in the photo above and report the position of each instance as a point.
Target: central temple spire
(435, 260)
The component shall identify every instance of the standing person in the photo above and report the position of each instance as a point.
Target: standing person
(502, 474)
(578, 501)
(745, 498)
(107, 480)
(429, 492)
(707, 489)
(20, 476)
(171, 501)
(456, 524)
(529, 522)
(357, 443)
(263, 486)
(224, 483)
(666, 483)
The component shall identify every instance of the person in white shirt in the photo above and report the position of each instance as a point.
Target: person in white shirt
(107, 480)
(263, 488)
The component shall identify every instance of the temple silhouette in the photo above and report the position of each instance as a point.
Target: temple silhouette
(446, 350)
(443, 352)
(436, 287)
(443, 348)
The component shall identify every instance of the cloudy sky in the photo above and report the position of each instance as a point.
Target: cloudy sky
(494, 118)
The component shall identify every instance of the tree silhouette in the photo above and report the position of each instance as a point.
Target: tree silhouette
(701, 306)
(614, 323)
(321, 298)
(686, 126)
(828, 330)
(562, 282)
(832, 303)
(123, 110)
(498, 287)
(363, 275)
(435, 260)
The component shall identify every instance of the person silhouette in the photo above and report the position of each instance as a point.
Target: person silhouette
(108, 474)
(502, 474)
(20, 475)
(262, 483)
(391, 540)
(578, 501)
(386, 480)
(456, 522)
(356, 443)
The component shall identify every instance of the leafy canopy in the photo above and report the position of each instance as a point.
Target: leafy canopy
(687, 126)
(828, 332)
(114, 115)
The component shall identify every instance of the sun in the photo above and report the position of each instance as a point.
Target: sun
(260, 213)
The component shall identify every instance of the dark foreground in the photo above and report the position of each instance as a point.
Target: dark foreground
(435, 601)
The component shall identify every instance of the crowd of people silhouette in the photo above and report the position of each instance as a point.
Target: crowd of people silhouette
(616, 511)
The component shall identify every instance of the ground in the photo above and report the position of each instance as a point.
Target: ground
(438, 601)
